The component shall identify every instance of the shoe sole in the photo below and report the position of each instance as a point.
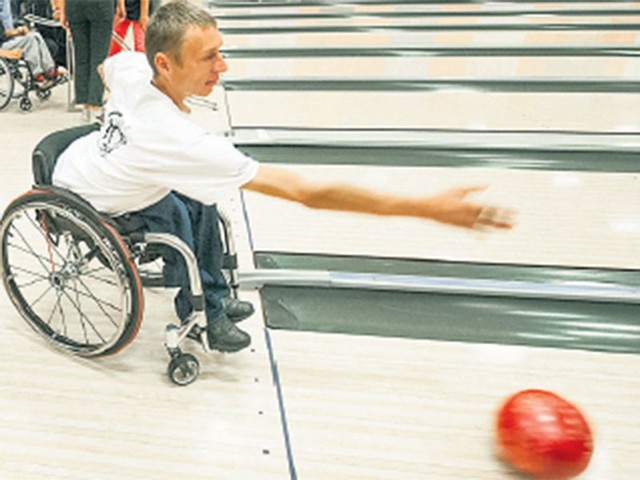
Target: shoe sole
(224, 348)
(228, 348)
(239, 318)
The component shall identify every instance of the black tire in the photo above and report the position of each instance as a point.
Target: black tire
(6, 83)
(43, 94)
(69, 274)
(183, 369)
(25, 104)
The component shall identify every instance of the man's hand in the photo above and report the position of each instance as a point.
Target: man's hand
(452, 207)
(144, 20)
(16, 32)
(55, 9)
(62, 15)
(121, 12)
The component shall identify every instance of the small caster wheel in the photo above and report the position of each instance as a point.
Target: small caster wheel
(25, 104)
(183, 369)
(43, 94)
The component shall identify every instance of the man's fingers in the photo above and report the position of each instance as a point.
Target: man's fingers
(495, 217)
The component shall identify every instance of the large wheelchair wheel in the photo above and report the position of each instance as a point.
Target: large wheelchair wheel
(69, 274)
(6, 83)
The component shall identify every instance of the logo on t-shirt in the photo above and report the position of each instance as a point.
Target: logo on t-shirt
(112, 133)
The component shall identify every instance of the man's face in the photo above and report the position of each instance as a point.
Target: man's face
(202, 63)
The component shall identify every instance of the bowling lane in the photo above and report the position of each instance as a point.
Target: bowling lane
(368, 408)
(442, 67)
(532, 20)
(563, 218)
(226, 9)
(461, 107)
(541, 38)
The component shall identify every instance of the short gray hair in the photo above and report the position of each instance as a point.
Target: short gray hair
(167, 27)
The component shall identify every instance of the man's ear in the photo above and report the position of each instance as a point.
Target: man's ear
(162, 63)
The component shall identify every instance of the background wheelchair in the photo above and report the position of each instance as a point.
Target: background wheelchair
(17, 81)
(77, 282)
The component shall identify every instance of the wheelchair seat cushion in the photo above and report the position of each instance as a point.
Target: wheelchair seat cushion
(46, 153)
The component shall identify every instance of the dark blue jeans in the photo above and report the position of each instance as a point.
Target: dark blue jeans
(197, 225)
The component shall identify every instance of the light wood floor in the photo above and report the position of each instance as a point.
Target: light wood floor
(353, 407)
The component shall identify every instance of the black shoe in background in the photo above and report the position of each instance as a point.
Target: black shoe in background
(237, 310)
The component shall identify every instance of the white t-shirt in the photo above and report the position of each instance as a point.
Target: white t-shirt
(148, 147)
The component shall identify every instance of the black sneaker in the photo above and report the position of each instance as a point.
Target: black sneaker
(237, 310)
(225, 336)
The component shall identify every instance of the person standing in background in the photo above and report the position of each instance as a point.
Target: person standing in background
(7, 16)
(91, 23)
(137, 16)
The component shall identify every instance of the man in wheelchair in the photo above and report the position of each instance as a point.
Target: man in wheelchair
(20, 42)
(155, 170)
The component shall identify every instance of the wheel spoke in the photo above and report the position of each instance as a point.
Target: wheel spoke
(53, 310)
(90, 274)
(82, 323)
(39, 228)
(83, 317)
(24, 250)
(38, 276)
(31, 250)
(98, 301)
(40, 297)
(32, 282)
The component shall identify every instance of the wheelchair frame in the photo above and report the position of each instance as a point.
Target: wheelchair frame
(55, 249)
(18, 71)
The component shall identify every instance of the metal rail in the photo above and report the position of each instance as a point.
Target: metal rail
(396, 85)
(578, 291)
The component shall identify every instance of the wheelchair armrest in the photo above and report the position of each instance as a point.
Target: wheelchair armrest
(46, 153)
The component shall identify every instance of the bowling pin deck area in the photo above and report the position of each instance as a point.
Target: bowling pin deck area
(382, 348)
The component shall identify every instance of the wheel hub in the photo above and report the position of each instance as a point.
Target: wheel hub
(59, 278)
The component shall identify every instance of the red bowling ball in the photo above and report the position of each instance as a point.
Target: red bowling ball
(543, 435)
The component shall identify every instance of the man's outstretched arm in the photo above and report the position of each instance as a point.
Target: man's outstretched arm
(450, 207)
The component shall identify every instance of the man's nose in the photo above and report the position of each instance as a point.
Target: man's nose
(221, 65)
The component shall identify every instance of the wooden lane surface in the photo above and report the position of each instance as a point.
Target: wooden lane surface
(224, 9)
(120, 418)
(415, 67)
(455, 108)
(379, 408)
(417, 21)
(440, 38)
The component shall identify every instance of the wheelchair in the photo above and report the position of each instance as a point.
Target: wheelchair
(79, 283)
(17, 82)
